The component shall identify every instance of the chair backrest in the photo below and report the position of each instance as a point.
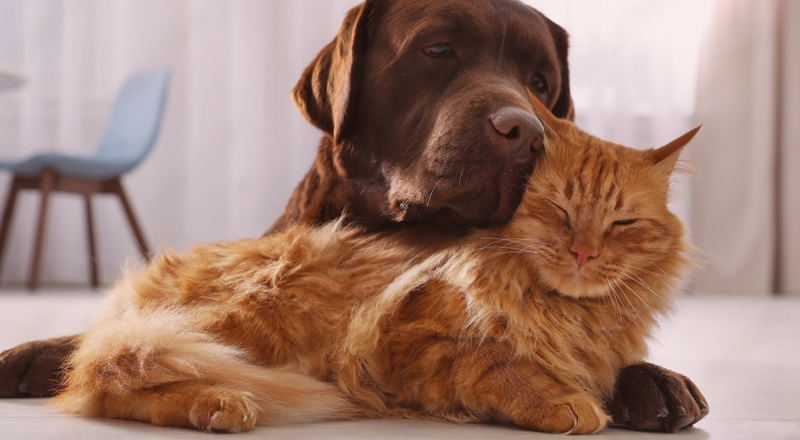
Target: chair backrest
(135, 118)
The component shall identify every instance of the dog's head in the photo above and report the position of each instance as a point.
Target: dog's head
(426, 105)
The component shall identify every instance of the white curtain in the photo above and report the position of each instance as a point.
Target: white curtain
(232, 146)
(633, 69)
(746, 204)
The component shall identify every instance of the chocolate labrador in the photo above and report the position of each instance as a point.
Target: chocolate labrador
(422, 105)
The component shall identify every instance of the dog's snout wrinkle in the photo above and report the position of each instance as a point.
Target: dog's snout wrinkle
(519, 131)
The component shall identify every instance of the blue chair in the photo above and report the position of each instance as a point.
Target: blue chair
(129, 137)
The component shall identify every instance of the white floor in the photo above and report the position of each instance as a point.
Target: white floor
(744, 354)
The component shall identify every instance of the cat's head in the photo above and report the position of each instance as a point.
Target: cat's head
(594, 217)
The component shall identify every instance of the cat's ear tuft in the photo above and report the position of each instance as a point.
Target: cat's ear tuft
(551, 124)
(541, 110)
(667, 156)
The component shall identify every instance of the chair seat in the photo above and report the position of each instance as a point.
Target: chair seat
(130, 134)
(93, 168)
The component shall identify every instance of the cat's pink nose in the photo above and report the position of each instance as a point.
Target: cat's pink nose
(582, 255)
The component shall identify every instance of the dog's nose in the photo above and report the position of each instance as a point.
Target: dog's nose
(521, 131)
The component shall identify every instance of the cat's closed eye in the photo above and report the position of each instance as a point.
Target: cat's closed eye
(564, 213)
(625, 222)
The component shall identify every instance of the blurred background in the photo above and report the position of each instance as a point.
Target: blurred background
(232, 147)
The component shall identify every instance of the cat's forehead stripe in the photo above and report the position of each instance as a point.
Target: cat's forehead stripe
(597, 175)
(598, 184)
(620, 201)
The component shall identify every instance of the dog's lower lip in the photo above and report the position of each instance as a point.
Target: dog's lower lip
(501, 214)
(524, 155)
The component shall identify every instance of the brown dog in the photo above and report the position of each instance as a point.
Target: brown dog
(421, 104)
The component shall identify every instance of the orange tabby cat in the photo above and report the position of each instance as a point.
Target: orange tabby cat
(529, 324)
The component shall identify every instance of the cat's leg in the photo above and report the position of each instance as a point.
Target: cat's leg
(189, 404)
(651, 398)
(487, 379)
(521, 392)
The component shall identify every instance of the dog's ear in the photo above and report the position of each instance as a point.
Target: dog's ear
(563, 106)
(324, 91)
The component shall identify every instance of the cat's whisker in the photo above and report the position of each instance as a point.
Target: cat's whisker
(620, 300)
(518, 240)
(494, 243)
(638, 280)
(631, 303)
(644, 284)
(612, 294)
(513, 249)
(510, 245)
(641, 282)
(620, 306)
(506, 246)
(520, 248)
(528, 240)
(652, 312)
(520, 251)
(662, 270)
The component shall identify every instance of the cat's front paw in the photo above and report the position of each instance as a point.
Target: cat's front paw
(574, 414)
(224, 410)
(651, 398)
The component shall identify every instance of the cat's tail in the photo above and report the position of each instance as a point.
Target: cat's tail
(140, 350)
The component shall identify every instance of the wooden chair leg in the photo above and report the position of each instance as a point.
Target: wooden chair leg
(45, 186)
(8, 211)
(92, 246)
(137, 232)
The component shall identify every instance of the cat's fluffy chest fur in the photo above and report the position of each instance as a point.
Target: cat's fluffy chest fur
(484, 301)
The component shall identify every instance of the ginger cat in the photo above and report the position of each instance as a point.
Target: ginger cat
(528, 324)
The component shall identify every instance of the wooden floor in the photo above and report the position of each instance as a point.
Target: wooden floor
(744, 354)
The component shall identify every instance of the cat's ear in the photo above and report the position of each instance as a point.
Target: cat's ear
(666, 157)
(545, 115)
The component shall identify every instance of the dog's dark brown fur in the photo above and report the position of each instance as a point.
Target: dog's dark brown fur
(420, 104)
(412, 97)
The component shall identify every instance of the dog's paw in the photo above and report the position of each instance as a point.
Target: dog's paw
(32, 369)
(224, 410)
(651, 398)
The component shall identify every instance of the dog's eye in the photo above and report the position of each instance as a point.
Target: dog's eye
(439, 50)
(539, 84)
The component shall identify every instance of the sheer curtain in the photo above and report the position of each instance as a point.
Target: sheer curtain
(747, 201)
(633, 69)
(232, 146)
